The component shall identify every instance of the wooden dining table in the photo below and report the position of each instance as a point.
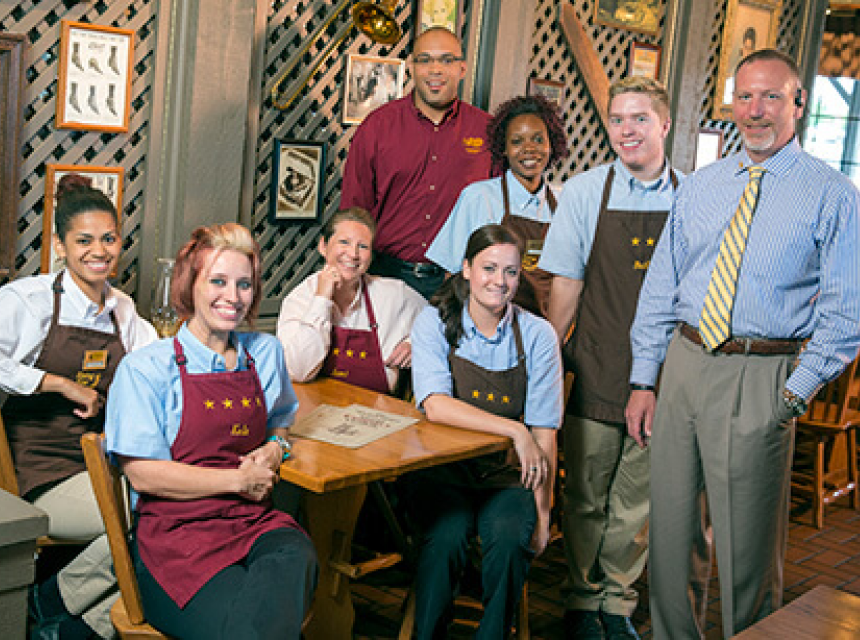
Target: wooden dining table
(336, 478)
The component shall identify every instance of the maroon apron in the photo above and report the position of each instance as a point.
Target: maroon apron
(184, 543)
(533, 292)
(599, 352)
(44, 434)
(355, 355)
(502, 393)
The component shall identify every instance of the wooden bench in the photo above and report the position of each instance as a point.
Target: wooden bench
(824, 613)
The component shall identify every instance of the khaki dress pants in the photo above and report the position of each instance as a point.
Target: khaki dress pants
(87, 584)
(721, 458)
(605, 515)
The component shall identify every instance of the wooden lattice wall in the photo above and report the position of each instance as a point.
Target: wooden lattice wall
(552, 60)
(42, 143)
(289, 251)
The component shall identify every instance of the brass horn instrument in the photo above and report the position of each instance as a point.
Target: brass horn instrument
(376, 21)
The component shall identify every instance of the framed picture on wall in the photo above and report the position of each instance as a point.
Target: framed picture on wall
(94, 89)
(642, 16)
(750, 25)
(370, 83)
(437, 13)
(644, 60)
(296, 191)
(106, 179)
(709, 147)
(552, 90)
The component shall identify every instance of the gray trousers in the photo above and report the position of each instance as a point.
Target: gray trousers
(87, 584)
(720, 464)
(605, 515)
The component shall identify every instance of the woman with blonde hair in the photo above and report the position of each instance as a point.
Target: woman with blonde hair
(198, 423)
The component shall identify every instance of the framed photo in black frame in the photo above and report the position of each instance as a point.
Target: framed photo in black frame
(297, 181)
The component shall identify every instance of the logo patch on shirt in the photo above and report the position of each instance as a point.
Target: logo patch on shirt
(473, 145)
(95, 360)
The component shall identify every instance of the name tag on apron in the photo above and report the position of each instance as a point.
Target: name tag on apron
(95, 360)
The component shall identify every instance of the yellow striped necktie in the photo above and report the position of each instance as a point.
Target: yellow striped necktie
(716, 320)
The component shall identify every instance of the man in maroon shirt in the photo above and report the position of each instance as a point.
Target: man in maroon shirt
(410, 159)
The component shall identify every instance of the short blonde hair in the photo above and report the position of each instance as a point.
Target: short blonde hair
(640, 84)
(189, 263)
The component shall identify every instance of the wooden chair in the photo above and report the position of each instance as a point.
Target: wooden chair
(8, 479)
(521, 620)
(830, 417)
(127, 614)
(9, 482)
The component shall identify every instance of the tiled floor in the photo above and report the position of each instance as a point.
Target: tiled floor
(830, 556)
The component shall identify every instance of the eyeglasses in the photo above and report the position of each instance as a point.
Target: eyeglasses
(445, 60)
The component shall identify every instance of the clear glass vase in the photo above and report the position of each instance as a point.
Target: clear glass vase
(164, 317)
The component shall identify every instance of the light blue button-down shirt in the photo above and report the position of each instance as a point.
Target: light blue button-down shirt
(431, 373)
(568, 242)
(479, 204)
(144, 406)
(800, 275)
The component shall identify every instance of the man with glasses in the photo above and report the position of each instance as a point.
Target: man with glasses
(410, 159)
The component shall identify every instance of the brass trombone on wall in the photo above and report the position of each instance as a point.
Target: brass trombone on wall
(376, 21)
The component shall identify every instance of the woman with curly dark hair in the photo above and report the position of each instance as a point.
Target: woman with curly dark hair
(525, 135)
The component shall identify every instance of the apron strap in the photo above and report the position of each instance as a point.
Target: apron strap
(506, 199)
(371, 317)
(550, 199)
(607, 187)
(57, 288)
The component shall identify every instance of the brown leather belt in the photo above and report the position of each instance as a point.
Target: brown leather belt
(747, 346)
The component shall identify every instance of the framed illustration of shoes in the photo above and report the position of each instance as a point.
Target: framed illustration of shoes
(96, 65)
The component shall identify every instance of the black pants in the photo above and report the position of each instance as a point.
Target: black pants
(266, 595)
(425, 278)
(449, 517)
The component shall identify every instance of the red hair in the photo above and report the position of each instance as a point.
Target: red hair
(192, 257)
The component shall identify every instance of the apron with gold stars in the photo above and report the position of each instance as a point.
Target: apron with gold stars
(599, 352)
(502, 393)
(533, 292)
(355, 355)
(44, 433)
(184, 543)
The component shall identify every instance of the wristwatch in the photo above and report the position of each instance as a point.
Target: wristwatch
(284, 444)
(795, 403)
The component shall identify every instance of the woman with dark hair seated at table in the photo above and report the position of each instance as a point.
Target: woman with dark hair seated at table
(483, 363)
(343, 323)
(198, 424)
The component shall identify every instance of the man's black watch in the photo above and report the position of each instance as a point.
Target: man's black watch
(795, 403)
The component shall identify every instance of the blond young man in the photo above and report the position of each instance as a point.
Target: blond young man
(599, 247)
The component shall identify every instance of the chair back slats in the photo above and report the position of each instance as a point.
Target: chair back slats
(112, 496)
(8, 479)
(832, 401)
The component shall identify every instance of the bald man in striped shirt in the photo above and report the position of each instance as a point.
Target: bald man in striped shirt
(750, 323)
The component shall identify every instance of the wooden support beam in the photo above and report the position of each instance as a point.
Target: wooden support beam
(586, 60)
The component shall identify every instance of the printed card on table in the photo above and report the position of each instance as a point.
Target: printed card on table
(353, 426)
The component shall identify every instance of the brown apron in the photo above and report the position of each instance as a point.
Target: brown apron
(355, 355)
(599, 352)
(502, 393)
(183, 543)
(533, 292)
(44, 434)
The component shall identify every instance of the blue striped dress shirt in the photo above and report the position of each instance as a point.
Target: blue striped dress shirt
(800, 275)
